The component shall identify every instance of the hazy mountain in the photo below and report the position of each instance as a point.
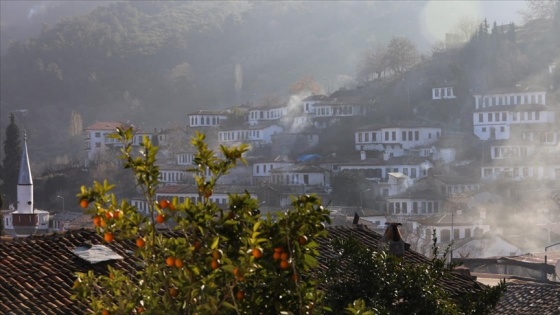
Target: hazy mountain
(154, 62)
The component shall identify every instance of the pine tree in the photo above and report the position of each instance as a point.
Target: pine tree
(12, 151)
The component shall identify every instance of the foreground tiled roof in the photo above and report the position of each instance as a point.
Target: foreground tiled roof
(454, 283)
(37, 273)
(529, 299)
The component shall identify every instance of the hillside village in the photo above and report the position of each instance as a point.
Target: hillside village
(460, 149)
(495, 183)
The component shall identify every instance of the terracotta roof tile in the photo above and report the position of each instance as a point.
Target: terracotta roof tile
(38, 272)
(530, 298)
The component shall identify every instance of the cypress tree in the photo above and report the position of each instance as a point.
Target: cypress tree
(12, 156)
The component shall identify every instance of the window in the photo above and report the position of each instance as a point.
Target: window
(423, 206)
(413, 172)
(480, 118)
(429, 207)
(414, 207)
(374, 136)
(437, 93)
(385, 192)
(258, 169)
(504, 116)
(391, 207)
(496, 152)
(483, 129)
(436, 207)
(456, 234)
(522, 116)
(490, 117)
(405, 206)
(386, 135)
(514, 116)
(511, 100)
(403, 136)
(540, 99)
(405, 171)
(537, 115)
(502, 129)
(445, 235)
(264, 168)
(98, 134)
(417, 135)
(467, 233)
(366, 137)
(360, 137)
(394, 136)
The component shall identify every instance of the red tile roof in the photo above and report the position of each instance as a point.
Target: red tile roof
(105, 125)
(529, 299)
(37, 273)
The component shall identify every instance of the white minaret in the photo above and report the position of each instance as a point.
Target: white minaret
(25, 182)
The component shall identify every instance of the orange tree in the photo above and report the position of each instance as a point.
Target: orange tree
(210, 260)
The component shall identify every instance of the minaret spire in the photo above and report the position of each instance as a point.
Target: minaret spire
(25, 181)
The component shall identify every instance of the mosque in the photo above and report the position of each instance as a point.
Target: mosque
(26, 220)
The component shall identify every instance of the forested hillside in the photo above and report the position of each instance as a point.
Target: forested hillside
(153, 62)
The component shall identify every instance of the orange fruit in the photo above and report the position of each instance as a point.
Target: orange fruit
(108, 215)
(97, 220)
(278, 249)
(170, 261)
(302, 240)
(179, 263)
(171, 207)
(257, 252)
(102, 223)
(160, 218)
(197, 245)
(240, 295)
(276, 256)
(295, 277)
(105, 312)
(84, 203)
(284, 256)
(173, 292)
(108, 237)
(140, 242)
(215, 264)
(216, 254)
(163, 203)
(140, 310)
(284, 264)
(117, 214)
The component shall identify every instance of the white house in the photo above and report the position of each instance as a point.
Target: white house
(268, 113)
(450, 227)
(98, 141)
(310, 101)
(495, 114)
(300, 174)
(262, 170)
(395, 139)
(440, 93)
(184, 192)
(379, 168)
(415, 202)
(207, 118)
(255, 134)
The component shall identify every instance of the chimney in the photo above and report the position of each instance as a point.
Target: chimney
(362, 155)
(393, 238)
(386, 156)
(356, 218)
